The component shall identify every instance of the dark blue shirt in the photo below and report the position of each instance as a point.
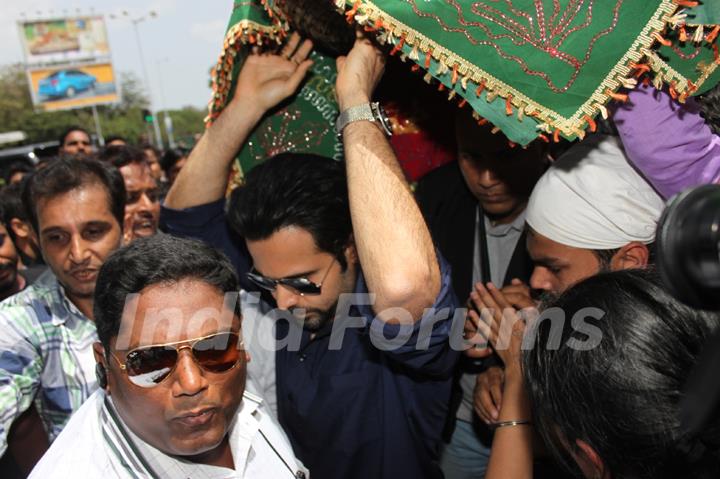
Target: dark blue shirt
(356, 411)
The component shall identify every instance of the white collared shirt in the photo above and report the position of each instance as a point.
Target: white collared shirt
(96, 443)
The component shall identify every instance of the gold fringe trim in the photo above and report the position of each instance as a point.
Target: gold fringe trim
(400, 35)
(242, 33)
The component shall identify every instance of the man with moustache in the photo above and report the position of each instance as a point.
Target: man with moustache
(142, 208)
(76, 208)
(75, 142)
(171, 402)
(11, 281)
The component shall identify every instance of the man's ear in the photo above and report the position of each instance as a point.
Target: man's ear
(20, 228)
(631, 256)
(351, 255)
(101, 370)
(99, 353)
(590, 461)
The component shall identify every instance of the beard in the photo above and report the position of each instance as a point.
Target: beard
(314, 319)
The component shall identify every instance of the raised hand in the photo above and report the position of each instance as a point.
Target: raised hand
(499, 322)
(359, 73)
(268, 79)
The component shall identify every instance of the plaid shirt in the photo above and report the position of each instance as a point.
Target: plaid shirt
(45, 356)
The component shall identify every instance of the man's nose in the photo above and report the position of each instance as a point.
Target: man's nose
(540, 279)
(78, 249)
(286, 298)
(189, 376)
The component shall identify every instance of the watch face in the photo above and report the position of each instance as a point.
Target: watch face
(384, 120)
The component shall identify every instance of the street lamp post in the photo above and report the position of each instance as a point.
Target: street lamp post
(166, 118)
(135, 22)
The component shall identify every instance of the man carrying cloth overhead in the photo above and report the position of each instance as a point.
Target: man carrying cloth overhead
(317, 230)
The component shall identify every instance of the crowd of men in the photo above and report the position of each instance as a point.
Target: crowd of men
(327, 320)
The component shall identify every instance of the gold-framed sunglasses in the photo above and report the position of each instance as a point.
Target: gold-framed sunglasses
(148, 366)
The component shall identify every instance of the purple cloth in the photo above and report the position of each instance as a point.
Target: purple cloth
(668, 142)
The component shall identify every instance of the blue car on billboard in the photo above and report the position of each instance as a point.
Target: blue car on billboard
(66, 83)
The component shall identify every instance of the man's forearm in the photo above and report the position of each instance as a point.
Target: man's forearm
(393, 243)
(204, 178)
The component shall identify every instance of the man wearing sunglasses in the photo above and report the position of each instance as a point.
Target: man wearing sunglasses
(315, 231)
(171, 371)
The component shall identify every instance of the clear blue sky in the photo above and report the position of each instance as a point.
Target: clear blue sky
(179, 45)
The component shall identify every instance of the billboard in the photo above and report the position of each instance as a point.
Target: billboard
(73, 86)
(64, 40)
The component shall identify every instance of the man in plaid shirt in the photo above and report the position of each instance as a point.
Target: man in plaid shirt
(76, 208)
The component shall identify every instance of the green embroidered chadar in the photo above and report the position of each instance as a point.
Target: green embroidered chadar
(533, 68)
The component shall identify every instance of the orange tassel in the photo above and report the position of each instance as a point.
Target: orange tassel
(508, 105)
(483, 122)
(686, 3)
(350, 15)
(591, 123)
(373, 28)
(462, 103)
(662, 40)
(399, 46)
(480, 88)
(511, 144)
(712, 36)
(621, 97)
(640, 68)
(672, 90)
(683, 34)
(428, 59)
(544, 138)
(441, 87)
(415, 68)
(556, 136)
(455, 74)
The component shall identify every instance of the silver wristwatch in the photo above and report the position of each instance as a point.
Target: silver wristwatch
(366, 112)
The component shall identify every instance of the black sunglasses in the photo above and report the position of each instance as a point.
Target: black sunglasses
(302, 285)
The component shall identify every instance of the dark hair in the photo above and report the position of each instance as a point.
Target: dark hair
(159, 259)
(121, 155)
(17, 167)
(709, 103)
(67, 131)
(319, 22)
(66, 174)
(171, 157)
(112, 138)
(622, 396)
(293, 189)
(12, 206)
(148, 146)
